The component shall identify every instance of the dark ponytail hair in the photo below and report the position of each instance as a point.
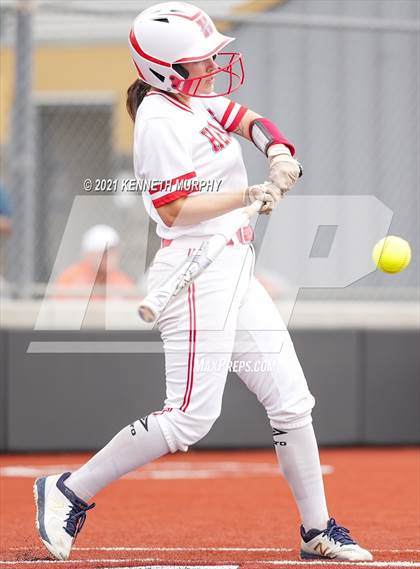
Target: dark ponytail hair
(135, 94)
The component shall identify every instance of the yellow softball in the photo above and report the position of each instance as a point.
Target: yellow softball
(392, 254)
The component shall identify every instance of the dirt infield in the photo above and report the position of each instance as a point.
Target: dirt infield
(229, 509)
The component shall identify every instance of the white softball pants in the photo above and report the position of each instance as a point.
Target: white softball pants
(225, 316)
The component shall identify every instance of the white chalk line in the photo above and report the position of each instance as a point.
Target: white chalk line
(285, 564)
(171, 470)
(327, 563)
(170, 549)
(190, 564)
(177, 567)
(204, 549)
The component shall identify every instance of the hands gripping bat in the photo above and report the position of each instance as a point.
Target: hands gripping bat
(157, 300)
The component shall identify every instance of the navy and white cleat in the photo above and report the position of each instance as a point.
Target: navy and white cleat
(60, 514)
(334, 542)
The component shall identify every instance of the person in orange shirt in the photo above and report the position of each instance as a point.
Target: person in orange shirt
(98, 268)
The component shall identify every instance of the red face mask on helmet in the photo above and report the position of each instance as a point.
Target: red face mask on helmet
(167, 35)
(231, 72)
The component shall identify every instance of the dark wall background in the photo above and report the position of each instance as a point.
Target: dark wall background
(366, 384)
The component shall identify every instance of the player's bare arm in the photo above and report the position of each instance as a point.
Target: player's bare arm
(243, 127)
(190, 210)
(187, 210)
(284, 172)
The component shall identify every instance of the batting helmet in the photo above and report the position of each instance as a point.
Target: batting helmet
(167, 35)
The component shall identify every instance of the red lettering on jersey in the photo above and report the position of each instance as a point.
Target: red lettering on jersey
(216, 136)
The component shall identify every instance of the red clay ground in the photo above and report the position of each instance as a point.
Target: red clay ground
(220, 508)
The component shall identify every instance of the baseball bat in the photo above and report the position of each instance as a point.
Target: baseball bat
(157, 300)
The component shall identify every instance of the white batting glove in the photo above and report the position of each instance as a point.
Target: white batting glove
(284, 170)
(267, 192)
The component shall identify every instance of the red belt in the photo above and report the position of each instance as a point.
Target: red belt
(244, 235)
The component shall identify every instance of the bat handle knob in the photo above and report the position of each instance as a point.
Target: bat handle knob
(300, 170)
(146, 313)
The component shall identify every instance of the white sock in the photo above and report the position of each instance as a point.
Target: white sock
(297, 453)
(134, 446)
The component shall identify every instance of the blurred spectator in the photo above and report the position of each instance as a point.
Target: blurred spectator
(99, 265)
(5, 229)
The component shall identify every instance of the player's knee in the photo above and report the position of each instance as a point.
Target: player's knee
(184, 430)
(293, 416)
(196, 430)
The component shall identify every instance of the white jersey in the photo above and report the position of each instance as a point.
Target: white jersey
(182, 150)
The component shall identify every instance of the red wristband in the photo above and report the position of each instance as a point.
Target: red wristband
(264, 133)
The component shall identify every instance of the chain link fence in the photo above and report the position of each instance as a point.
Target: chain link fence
(339, 78)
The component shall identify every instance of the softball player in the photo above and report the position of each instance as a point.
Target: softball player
(183, 136)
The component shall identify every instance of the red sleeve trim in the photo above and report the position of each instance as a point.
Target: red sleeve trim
(237, 119)
(227, 113)
(171, 197)
(168, 183)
